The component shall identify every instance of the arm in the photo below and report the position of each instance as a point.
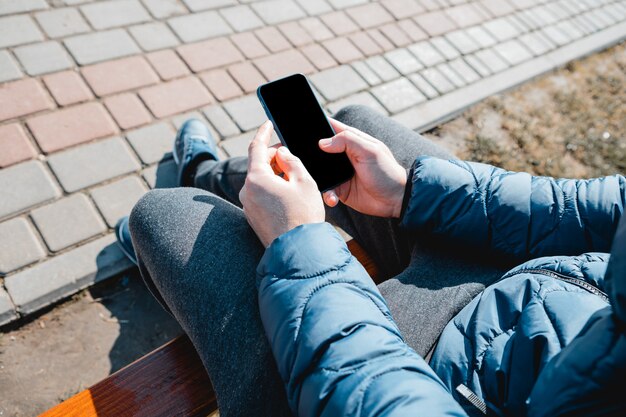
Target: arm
(513, 214)
(335, 343)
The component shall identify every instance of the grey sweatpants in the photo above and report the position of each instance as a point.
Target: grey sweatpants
(198, 256)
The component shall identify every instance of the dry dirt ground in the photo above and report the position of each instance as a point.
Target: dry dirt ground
(569, 123)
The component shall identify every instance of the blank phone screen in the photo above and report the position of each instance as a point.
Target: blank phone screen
(300, 122)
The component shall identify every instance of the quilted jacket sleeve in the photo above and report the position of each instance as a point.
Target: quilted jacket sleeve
(336, 346)
(514, 214)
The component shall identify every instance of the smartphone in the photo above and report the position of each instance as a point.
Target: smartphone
(300, 122)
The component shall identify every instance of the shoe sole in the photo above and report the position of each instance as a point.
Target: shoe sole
(132, 256)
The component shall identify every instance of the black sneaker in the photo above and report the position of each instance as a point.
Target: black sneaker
(194, 144)
(122, 233)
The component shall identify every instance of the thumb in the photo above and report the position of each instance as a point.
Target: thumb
(348, 142)
(290, 164)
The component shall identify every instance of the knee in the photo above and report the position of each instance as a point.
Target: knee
(355, 115)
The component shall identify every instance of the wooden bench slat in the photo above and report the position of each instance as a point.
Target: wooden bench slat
(169, 381)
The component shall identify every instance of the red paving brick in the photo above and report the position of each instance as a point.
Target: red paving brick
(435, 23)
(401, 9)
(316, 28)
(497, 7)
(272, 39)
(167, 64)
(175, 96)
(127, 110)
(14, 145)
(395, 34)
(71, 126)
(339, 23)
(295, 34)
(283, 63)
(370, 15)
(250, 45)
(319, 56)
(247, 76)
(22, 97)
(210, 54)
(365, 43)
(120, 75)
(410, 28)
(380, 39)
(67, 87)
(221, 85)
(343, 50)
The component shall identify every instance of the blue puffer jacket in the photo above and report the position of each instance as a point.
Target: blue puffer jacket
(548, 339)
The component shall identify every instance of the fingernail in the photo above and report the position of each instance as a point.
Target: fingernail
(326, 142)
(283, 149)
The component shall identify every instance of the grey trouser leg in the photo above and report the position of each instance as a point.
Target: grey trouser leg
(200, 255)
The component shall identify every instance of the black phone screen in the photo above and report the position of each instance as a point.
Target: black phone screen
(300, 123)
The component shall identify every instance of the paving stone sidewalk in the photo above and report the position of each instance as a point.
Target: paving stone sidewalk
(91, 94)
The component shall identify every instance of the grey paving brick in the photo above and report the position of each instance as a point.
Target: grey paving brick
(444, 48)
(363, 98)
(18, 245)
(462, 41)
(536, 43)
(44, 57)
(314, 7)
(117, 199)
(542, 13)
(403, 61)
(238, 145)
(502, 29)
(382, 68)
(423, 85)
(114, 13)
(241, 18)
(437, 80)
(583, 24)
(90, 164)
(7, 309)
(8, 67)
(426, 53)
(197, 5)
(25, 185)
(198, 26)
(17, 30)
(153, 36)
(492, 60)
(342, 4)
(161, 175)
(465, 71)
(478, 65)
(481, 36)
(570, 30)
(338, 82)
(513, 52)
(66, 274)
(246, 112)
(366, 72)
(398, 95)
(153, 143)
(278, 11)
(67, 221)
(58, 23)
(21, 6)
(221, 121)
(164, 8)
(451, 75)
(101, 46)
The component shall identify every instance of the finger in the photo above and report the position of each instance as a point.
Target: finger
(330, 198)
(272, 160)
(341, 127)
(348, 142)
(290, 164)
(258, 149)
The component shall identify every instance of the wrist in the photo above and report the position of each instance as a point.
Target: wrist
(403, 195)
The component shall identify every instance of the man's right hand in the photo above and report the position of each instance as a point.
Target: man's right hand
(377, 187)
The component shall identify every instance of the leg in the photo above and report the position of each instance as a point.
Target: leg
(200, 255)
(387, 244)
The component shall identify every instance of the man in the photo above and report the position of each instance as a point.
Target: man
(313, 336)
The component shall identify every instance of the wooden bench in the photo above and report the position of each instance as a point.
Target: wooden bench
(170, 381)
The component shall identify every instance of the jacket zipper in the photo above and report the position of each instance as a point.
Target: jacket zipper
(574, 281)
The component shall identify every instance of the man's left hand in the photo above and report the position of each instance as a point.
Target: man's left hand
(273, 204)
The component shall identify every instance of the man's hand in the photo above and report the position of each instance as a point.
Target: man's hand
(275, 205)
(377, 187)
